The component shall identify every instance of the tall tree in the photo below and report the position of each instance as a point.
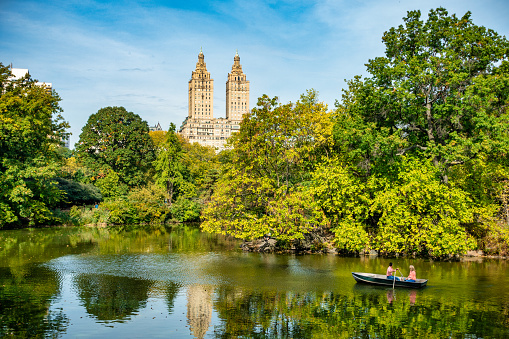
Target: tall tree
(169, 166)
(117, 140)
(263, 188)
(441, 91)
(416, 137)
(31, 129)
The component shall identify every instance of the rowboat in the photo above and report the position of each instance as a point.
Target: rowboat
(380, 279)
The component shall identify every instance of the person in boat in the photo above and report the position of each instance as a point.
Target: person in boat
(412, 276)
(390, 271)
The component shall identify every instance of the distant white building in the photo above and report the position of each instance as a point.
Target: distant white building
(18, 73)
(155, 128)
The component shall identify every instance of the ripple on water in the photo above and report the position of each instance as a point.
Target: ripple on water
(182, 269)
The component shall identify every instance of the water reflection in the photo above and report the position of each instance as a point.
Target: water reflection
(199, 309)
(110, 297)
(25, 297)
(181, 283)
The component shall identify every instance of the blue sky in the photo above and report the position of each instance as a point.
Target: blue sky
(140, 54)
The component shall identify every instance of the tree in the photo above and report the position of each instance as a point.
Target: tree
(440, 92)
(263, 190)
(31, 130)
(158, 138)
(77, 193)
(168, 165)
(117, 140)
(417, 141)
(203, 168)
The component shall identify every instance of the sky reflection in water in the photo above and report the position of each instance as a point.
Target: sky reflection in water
(182, 283)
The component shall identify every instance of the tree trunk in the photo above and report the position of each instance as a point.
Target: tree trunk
(169, 190)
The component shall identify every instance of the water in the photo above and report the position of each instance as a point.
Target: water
(181, 283)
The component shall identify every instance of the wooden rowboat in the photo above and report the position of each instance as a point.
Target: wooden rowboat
(380, 279)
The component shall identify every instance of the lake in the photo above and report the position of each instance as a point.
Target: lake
(77, 282)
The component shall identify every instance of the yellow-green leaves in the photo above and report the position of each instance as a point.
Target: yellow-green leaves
(265, 187)
(420, 214)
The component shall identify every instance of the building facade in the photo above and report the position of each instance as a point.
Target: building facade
(237, 92)
(200, 125)
(201, 91)
(18, 73)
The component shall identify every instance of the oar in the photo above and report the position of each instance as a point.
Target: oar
(393, 281)
(402, 275)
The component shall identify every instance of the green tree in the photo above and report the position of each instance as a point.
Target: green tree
(263, 188)
(417, 141)
(441, 91)
(203, 168)
(77, 193)
(110, 185)
(117, 140)
(168, 165)
(31, 130)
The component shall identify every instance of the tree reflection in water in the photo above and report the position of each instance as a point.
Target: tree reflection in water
(380, 313)
(111, 297)
(200, 287)
(25, 298)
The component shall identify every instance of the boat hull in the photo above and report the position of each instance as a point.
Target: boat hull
(381, 280)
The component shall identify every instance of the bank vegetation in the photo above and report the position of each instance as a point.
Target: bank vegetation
(412, 160)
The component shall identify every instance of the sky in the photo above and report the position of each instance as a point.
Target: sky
(140, 54)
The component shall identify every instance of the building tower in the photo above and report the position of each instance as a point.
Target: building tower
(237, 92)
(201, 91)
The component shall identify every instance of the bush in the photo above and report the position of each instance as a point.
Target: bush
(143, 206)
(77, 193)
(185, 210)
(80, 216)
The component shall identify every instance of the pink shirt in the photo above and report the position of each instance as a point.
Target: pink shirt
(390, 270)
(412, 275)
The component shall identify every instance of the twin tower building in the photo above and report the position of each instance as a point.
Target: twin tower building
(200, 125)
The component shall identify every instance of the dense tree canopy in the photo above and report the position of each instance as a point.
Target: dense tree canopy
(169, 166)
(31, 129)
(418, 139)
(420, 157)
(115, 140)
(414, 159)
(263, 188)
(441, 91)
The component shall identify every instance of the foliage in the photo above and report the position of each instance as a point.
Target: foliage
(77, 193)
(421, 145)
(413, 212)
(187, 172)
(169, 165)
(110, 185)
(31, 128)
(117, 140)
(141, 206)
(158, 138)
(185, 210)
(72, 169)
(440, 92)
(80, 216)
(202, 168)
(420, 214)
(263, 188)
